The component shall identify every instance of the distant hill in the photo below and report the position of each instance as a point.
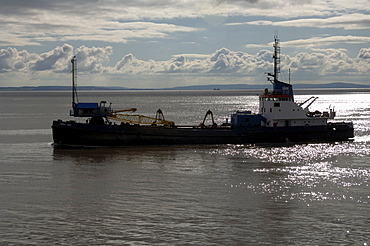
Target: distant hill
(250, 87)
(191, 87)
(330, 85)
(217, 87)
(62, 88)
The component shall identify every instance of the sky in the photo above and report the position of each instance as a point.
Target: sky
(168, 43)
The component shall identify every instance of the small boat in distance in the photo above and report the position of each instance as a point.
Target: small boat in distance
(279, 120)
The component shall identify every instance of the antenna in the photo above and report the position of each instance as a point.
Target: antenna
(276, 57)
(74, 81)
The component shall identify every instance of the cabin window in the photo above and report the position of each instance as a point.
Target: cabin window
(270, 110)
(276, 105)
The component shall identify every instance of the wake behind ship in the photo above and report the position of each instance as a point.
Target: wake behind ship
(280, 119)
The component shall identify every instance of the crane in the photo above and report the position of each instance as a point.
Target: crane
(140, 119)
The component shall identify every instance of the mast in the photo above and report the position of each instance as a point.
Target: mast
(74, 77)
(276, 58)
(279, 87)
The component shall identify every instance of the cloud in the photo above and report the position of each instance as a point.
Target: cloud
(33, 22)
(13, 60)
(325, 41)
(92, 59)
(125, 61)
(364, 54)
(329, 63)
(257, 45)
(314, 42)
(56, 60)
(78, 29)
(222, 63)
(230, 63)
(36, 21)
(345, 21)
(193, 56)
(165, 9)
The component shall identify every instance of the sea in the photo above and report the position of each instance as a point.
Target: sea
(251, 194)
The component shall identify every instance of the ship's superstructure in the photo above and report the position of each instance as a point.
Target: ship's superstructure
(279, 108)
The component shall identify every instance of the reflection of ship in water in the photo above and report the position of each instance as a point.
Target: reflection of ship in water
(97, 156)
(280, 119)
(81, 156)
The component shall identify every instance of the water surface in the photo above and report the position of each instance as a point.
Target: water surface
(292, 194)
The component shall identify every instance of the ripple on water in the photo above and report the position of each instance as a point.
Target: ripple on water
(310, 172)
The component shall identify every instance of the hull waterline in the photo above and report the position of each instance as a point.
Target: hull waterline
(72, 133)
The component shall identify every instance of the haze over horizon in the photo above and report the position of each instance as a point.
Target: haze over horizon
(146, 44)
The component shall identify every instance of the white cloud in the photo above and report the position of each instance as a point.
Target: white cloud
(345, 21)
(364, 53)
(315, 42)
(92, 59)
(231, 63)
(76, 28)
(32, 22)
(168, 9)
(224, 65)
(56, 60)
(25, 24)
(257, 45)
(193, 56)
(13, 60)
(325, 41)
(222, 61)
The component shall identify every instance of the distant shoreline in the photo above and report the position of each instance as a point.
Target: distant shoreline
(334, 86)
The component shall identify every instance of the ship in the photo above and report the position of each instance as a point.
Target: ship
(280, 120)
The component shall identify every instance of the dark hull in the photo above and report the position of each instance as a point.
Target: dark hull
(80, 134)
